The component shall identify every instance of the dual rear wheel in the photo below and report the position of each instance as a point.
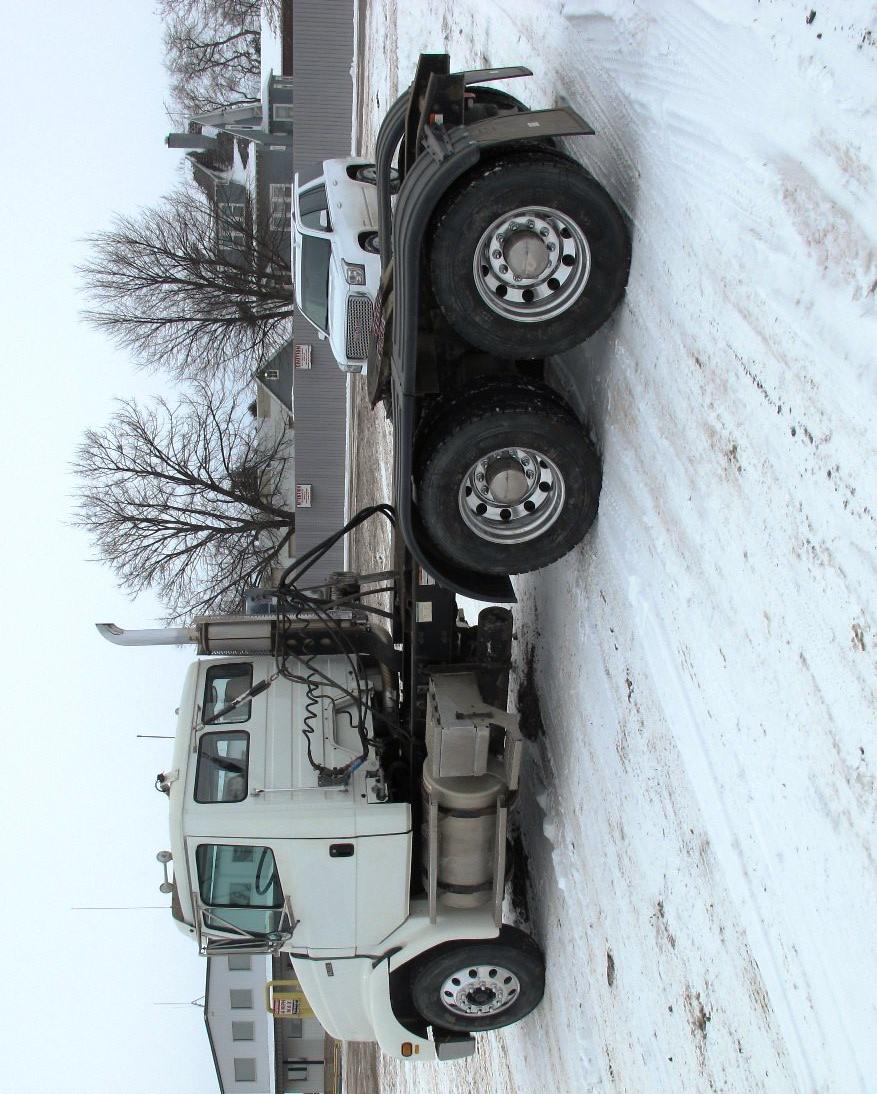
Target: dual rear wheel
(507, 479)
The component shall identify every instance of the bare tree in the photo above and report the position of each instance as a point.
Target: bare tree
(273, 12)
(212, 52)
(185, 500)
(190, 287)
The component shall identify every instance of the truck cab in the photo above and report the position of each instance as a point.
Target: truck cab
(337, 264)
(263, 845)
(339, 794)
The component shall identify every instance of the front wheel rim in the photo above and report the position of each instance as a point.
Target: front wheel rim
(511, 495)
(480, 991)
(531, 264)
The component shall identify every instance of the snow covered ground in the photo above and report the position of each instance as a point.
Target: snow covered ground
(699, 814)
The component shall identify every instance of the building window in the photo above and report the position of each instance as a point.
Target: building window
(292, 1032)
(243, 1031)
(283, 112)
(241, 998)
(281, 206)
(230, 223)
(244, 1070)
(240, 962)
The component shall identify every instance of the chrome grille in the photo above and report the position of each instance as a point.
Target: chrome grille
(359, 325)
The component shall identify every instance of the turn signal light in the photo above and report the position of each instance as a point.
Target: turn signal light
(407, 1048)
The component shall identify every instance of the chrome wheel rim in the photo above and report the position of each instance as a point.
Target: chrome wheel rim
(531, 264)
(480, 990)
(511, 495)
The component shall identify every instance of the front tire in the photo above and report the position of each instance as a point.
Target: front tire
(473, 987)
(530, 257)
(368, 173)
(507, 481)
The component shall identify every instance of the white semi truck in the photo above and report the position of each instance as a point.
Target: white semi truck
(339, 792)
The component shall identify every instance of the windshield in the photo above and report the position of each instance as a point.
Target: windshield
(310, 205)
(314, 285)
(242, 885)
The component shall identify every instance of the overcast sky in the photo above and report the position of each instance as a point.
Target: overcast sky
(90, 999)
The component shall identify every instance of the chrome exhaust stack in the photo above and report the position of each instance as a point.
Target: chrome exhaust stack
(154, 636)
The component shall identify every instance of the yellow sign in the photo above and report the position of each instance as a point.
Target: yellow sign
(285, 999)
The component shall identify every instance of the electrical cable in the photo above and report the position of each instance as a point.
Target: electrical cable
(293, 601)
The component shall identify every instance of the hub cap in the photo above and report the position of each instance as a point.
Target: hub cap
(511, 495)
(480, 989)
(531, 264)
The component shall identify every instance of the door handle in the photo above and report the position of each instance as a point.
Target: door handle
(340, 850)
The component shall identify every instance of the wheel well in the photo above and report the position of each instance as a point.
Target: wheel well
(402, 1001)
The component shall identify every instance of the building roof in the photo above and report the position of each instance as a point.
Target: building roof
(279, 385)
(209, 1030)
(248, 114)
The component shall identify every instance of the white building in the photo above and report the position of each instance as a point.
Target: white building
(254, 1052)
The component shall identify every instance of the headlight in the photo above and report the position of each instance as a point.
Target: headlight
(355, 274)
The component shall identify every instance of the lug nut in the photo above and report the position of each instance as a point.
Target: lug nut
(497, 253)
(479, 476)
(531, 223)
(543, 231)
(503, 269)
(550, 246)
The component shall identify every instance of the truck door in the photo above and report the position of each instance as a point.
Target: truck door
(322, 885)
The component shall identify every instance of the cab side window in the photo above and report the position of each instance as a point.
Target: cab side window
(224, 684)
(221, 774)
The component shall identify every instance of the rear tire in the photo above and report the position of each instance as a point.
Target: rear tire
(544, 218)
(507, 481)
(508, 984)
